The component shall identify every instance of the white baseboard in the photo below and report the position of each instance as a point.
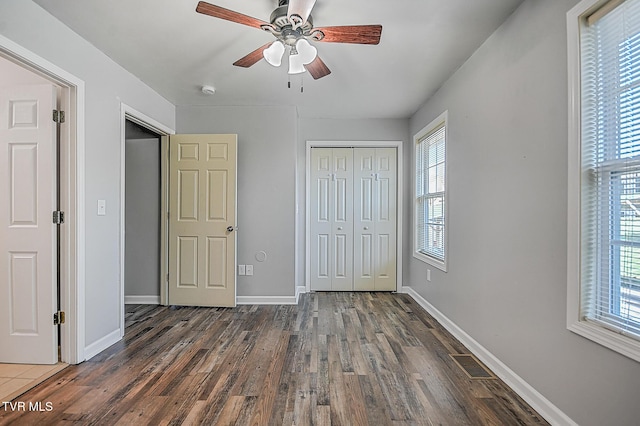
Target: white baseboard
(141, 300)
(270, 300)
(100, 345)
(300, 290)
(266, 300)
(535, 399)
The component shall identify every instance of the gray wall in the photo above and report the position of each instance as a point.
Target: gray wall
(142, 213)
(507, 165)
(266, 181)
(106, 86)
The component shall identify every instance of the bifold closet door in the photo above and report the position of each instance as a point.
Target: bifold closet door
(374, 254)
(331, 219)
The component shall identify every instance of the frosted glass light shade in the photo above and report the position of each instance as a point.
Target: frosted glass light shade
(273, 54)
(306, 54)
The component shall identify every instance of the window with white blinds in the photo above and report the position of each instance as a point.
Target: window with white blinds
(430, 194)
(610, 168)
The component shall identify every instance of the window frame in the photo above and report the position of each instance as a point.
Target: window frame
(441, 121)
(599, 333)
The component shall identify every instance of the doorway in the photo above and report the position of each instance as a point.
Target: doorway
(138, 126)
(142, 215)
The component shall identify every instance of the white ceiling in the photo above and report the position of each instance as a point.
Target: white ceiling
(176, 51)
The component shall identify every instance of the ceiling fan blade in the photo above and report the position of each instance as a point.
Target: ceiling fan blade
(252, 57)
(222, 13)
(317, 68)
(301, 8)
(358, 34)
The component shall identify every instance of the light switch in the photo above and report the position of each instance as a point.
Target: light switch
(249, 269)
(102, 207)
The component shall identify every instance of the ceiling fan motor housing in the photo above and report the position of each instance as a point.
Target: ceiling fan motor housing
(281, 21)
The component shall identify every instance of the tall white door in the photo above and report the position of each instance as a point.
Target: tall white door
(374, 254)
(202, 220)
(332, 219)
(27, 233)
(353, 219)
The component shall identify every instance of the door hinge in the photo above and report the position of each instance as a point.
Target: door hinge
(58, 116)
(58, 217)
(58, 318)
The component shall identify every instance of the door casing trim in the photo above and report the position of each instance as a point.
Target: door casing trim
(399, 205)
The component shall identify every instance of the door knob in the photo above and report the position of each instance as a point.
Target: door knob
(230, 228)
(339, 228)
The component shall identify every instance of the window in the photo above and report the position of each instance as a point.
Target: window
(430, 218)
(604, 278)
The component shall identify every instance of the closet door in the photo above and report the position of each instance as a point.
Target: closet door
(374, 255)
(331, 219)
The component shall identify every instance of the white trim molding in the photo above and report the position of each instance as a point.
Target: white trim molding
(101, 344)
(266, 300)
(535, 399)
(141, 300)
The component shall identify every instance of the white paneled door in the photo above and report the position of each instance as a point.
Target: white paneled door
(374, 219)
(332, 219)
(353, 219)
(27, 233)
(202, 220)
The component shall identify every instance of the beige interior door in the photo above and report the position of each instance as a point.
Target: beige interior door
(202, 220)
(27, 233)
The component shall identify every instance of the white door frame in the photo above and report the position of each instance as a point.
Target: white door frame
(129, 113)
(353, 144)
(72, 167)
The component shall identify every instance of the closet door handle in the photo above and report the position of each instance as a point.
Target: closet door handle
(339, 228)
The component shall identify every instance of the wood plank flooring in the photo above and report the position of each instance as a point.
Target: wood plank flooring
(335, 358)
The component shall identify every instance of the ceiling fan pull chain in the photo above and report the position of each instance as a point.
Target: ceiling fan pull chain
(302, 83)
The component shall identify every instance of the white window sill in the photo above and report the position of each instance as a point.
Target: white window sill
(607, 338)
(436, 263)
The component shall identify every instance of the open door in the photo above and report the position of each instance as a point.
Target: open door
(27, 233)
(202, 220)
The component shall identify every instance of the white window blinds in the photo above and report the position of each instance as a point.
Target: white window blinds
(430, 194)
(610, 284)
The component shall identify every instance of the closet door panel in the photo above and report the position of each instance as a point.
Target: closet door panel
(342, 219)
(321, 212)
(364, 219)
(385, 219)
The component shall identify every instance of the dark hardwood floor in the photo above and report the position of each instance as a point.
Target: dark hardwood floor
(336, 358)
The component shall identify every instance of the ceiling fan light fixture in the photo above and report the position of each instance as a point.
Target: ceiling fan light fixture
(273, 54)
(303, 54)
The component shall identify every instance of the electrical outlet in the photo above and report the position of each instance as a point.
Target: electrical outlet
(241, 270)
(428, 274)
(249, 269)
(102, 207)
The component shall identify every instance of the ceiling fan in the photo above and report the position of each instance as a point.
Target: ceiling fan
(292, 26)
